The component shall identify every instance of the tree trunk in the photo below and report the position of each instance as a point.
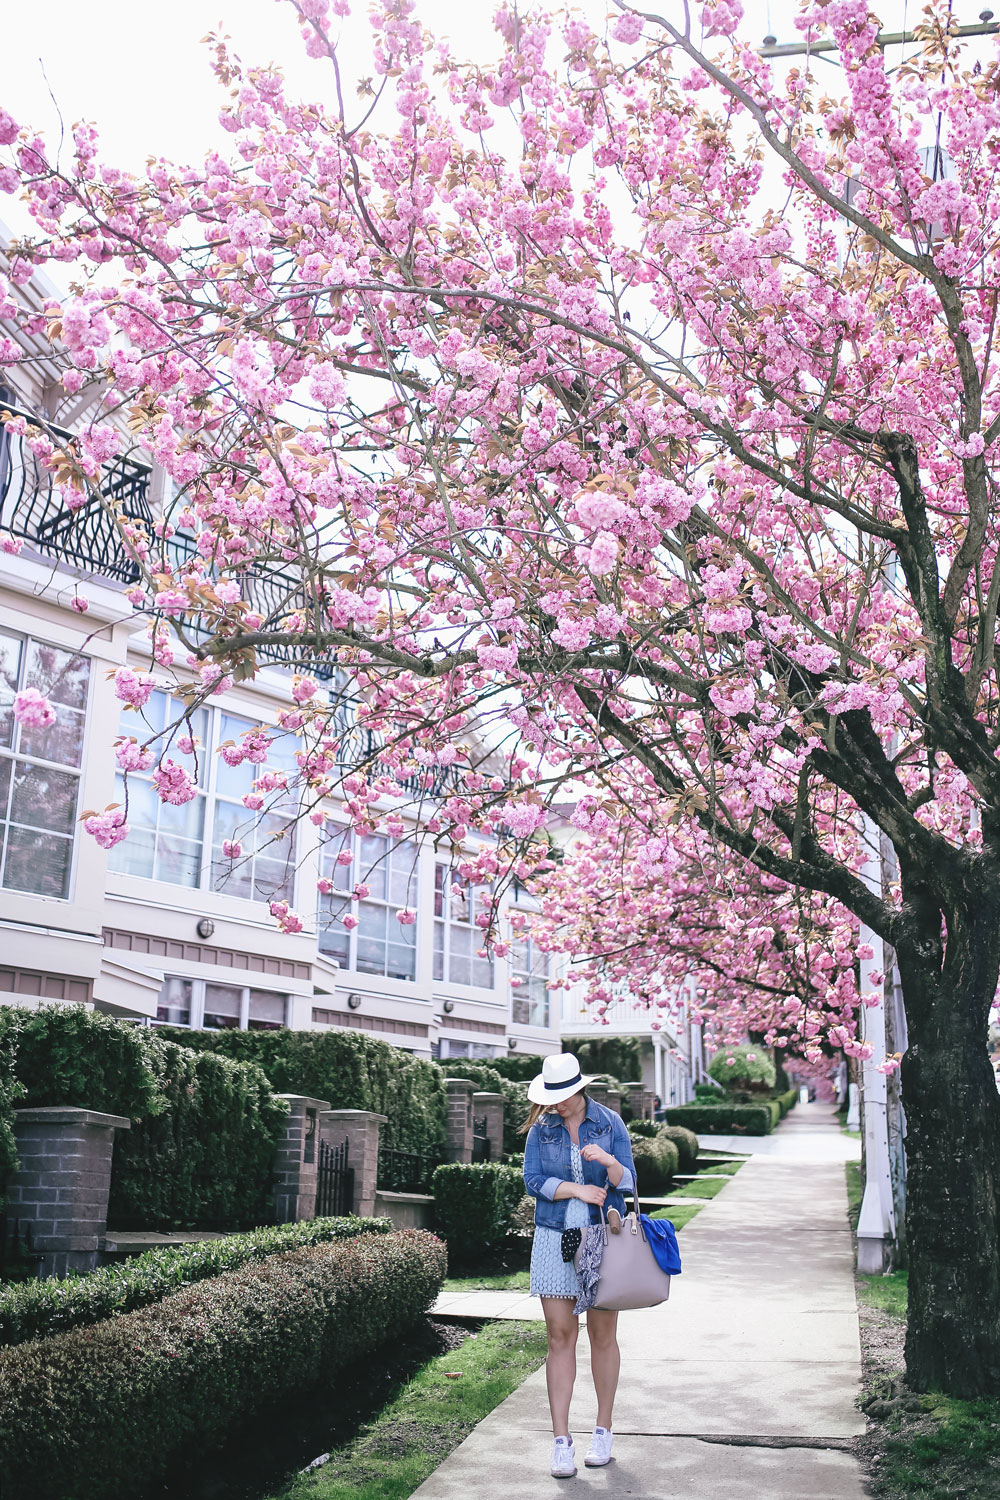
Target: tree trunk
(953, 1158)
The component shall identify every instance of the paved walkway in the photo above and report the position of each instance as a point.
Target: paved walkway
(741, 1387)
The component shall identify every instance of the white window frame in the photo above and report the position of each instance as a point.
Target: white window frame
(355, 874)
(16, 756)
(528, 976)
(445, 924)
(196, 1020)
(213, 798)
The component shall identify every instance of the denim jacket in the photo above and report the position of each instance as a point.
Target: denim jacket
(547, 1163)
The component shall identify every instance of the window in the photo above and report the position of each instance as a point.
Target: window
(457, 938)
(164, 842)
(221, 1007)
(380, 943)
(40, 768)
(479, 1051)
(172, 843)
(529, 969)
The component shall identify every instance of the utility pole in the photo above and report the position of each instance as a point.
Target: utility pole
(877, 1220)
(986, 26)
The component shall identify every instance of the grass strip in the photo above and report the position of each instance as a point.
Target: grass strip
(706, 1189)
(505, 1281)
(721, 1169)
(428, 1419)
(679, 1214)
(887, 1293)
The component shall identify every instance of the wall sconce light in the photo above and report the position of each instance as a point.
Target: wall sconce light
(205, 927)
(354, 1002)
(512, 1042)
(448, 1007)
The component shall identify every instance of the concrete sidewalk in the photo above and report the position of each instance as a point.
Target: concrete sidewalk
(743, 1385)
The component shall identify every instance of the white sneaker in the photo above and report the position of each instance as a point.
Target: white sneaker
(599, 1452)
(563, 1458)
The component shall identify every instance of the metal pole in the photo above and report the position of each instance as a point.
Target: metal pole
(877, 1220)
(773, 48)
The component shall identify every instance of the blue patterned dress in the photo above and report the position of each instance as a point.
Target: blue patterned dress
(551, 1276)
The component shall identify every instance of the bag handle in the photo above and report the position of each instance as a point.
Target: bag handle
(634, 1190)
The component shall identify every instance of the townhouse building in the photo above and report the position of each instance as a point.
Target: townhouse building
(165, 927)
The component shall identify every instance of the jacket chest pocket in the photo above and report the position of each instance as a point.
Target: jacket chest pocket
(551, 1151)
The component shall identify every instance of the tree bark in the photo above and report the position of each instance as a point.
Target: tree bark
(953, 1155)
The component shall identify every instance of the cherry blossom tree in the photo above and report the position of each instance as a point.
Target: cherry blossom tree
(625, 410)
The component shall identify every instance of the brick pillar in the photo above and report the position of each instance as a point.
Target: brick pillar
(604, 1094)
(60, 1189)
(295, 1160)
(458, 1130)
(360, 1129)
(491, 1105)
(640, 1100)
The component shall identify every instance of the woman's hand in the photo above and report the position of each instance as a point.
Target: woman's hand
(588, 1194)
(597, 1153)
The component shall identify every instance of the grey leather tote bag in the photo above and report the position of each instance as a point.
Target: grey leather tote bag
(630, 1276)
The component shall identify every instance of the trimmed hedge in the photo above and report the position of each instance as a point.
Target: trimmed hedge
(351, 1070)
(709, 1093)
(787, 1101)
(656, 1162)
(206, 1160)
(63, 1054)
(10, 1090)
(686, 1142)
(619, 1056)
(474, 1206)
(647, 1128)
(39, 1309)
(723, 1119)
(200, 1152)
(98, 1413)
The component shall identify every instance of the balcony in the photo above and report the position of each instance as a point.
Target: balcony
(32, 507)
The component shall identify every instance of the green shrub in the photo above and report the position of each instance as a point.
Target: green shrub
(686, 1142)
(709, 1093)
(656, 1160)
(208, 1158)
(515, 1068)
(38, 1309)
(474, 1206)
(738, 1067)
(10, 1090)
(63, 1054)
(787, 1101)
(348, 1069)
(723, 1119)
(647, 1128)
(98, 1412)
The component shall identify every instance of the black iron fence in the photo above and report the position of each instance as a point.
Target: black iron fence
(33, 506)
(18, 1257)
(480, 1140)
(334, 1181)
(405, 1171)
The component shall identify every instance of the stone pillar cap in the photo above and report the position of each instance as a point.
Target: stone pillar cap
(356, 1114)
(459, 1083)
(64, 1114)
(305, 1099)
(485, 1094)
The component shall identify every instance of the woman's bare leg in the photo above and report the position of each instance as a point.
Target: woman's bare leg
(562, 1327)
(605, 1361)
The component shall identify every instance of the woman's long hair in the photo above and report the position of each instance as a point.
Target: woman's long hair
(536, 1112)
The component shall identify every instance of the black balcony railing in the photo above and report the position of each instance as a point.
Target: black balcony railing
(32, 506)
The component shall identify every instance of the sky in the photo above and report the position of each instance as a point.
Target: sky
(139, 72)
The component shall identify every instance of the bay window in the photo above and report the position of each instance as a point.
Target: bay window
(220, 1007)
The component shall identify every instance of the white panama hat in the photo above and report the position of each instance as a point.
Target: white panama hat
(560, 1077)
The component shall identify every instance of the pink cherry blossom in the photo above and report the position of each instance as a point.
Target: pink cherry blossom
(33, 710)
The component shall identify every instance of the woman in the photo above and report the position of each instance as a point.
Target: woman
(577, 1159)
